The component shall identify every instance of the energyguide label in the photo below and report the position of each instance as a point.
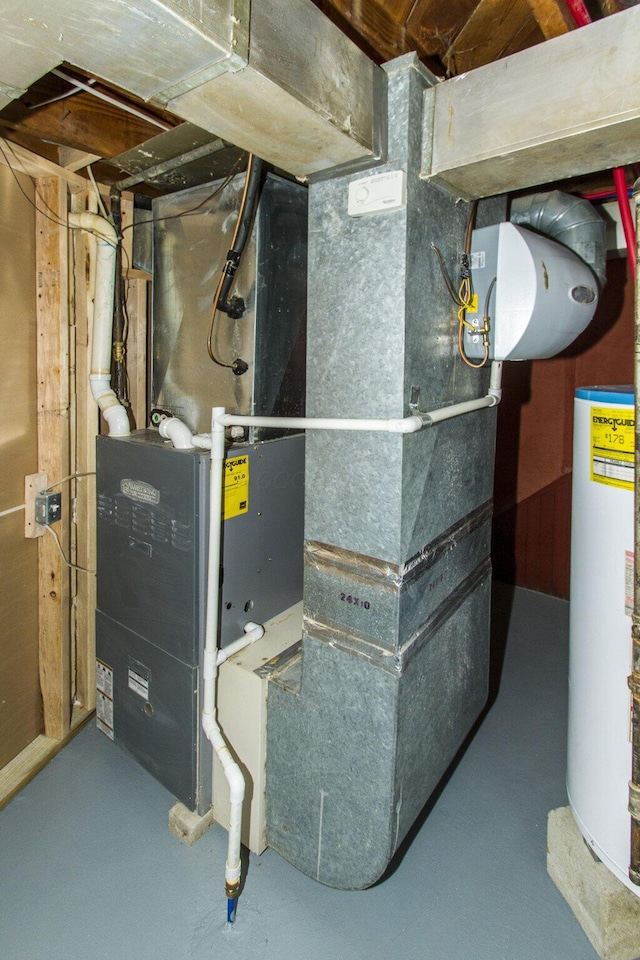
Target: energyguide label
(613, 446)
(236, 486)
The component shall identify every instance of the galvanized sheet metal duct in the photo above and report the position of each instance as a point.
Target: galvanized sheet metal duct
(568, 220)
(278, 80)
(393, 666)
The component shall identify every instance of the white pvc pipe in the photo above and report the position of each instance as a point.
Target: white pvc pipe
(492, 399)
(394, 425)
(495, 383)
(252, 632)
(100, 376)
(210, 726)
(178, 432)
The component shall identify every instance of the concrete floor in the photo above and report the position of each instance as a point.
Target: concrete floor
(89, 869)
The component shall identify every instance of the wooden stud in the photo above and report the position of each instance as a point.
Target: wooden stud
(137, 308)
(126, 212)
(87, 421)
(53, 448)
(33, 484)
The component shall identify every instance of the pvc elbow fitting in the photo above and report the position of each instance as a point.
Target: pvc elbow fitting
(177, 432)
(116, 417)
(94, 223)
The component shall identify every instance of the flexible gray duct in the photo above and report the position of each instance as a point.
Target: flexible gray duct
(568, 220)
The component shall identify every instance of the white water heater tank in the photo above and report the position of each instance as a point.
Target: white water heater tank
(599, 748)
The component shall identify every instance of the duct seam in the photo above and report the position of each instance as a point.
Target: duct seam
(327, 631)
(368, 570)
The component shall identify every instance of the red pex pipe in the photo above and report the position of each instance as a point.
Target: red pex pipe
(581, 17)
(622, 192)
(579, 12)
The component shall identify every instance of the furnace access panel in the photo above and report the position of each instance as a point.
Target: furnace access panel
(152, 565)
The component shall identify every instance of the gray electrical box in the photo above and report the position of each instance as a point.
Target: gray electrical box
(152, 562)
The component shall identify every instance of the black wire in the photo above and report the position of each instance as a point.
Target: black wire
(207, 199)
(61, 223)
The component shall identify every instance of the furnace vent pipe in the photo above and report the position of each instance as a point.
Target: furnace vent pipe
(177, 432)
(570, 221)
(100, 376)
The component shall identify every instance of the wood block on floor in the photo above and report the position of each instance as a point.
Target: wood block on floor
(607, 911)
(188, 826)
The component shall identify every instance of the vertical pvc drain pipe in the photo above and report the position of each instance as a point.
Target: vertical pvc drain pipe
(210, 726)
(100, 376)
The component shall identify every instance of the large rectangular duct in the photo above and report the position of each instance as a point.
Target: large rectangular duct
(562, 108)
(394, 660)
(277, 79)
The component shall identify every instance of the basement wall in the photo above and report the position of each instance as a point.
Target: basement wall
(20, 702)
(532, 495)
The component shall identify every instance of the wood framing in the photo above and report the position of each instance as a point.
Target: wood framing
(137, 293)
(493, 30)
(53, 448)
(30, 761)
(86, 427)
(13, 155)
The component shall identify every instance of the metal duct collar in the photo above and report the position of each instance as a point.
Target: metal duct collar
(568, 220)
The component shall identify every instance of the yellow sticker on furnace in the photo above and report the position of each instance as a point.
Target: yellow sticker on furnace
(236, 486)
(613, 446)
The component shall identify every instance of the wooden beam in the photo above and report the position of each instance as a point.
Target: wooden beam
(607, 7)
(383, 34)
(53, 448)
(14, 156)
(434, 25)
(74, 160)
(553, 17)
(495, 29)
(84, 123)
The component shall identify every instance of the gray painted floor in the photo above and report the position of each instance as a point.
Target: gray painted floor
(89, 869)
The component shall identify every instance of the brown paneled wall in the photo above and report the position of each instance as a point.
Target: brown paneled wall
(531, 531)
